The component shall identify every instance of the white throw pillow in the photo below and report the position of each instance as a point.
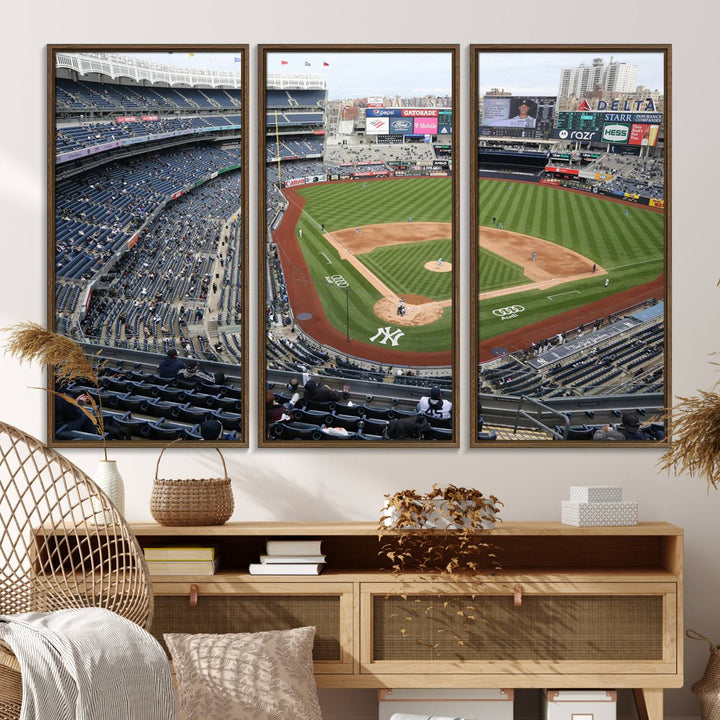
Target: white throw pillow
(245, 676)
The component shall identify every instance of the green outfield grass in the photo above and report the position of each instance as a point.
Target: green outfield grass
(497, 272)
(402, 268)
(343, 205)
(629, 247)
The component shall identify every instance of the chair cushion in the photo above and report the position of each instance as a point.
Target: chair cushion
(245, 676)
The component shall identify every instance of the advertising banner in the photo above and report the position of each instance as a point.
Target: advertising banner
(293, 182)
(419, 112)
(377, 126)
(374, 101)
(562, 170)
(426, 126)
(656, 203)
(444, 129)
(383, 112)
(125, 118)
(144, 118)
(642, 134)
(616, 133)
(583, 135)
(647, 118)
(401, 126)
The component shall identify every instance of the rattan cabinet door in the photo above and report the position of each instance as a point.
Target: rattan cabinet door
(238, 607)
(530, 628)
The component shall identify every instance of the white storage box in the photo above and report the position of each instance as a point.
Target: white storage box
(596, 493)
(475, 704)
(597, 514)
(579, 705)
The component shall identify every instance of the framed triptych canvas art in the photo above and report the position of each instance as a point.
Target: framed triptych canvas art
(147, 241)
(358, 276)
(570, 245)
(358, 244)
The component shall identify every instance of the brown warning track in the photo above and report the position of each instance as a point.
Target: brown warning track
(523, 337)
(304, 298)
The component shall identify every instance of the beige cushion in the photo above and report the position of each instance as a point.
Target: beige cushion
(246, 676)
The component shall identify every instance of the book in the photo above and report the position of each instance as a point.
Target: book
(285, 568)
(272, 559)
(183, 567)
(293, 547)
(180, 552)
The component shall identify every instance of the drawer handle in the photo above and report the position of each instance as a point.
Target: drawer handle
(517, 595)
(193, 595)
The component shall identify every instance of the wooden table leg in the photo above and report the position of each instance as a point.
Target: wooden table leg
(649, 702)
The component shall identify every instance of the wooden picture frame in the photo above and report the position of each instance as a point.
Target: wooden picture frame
(147, 239)
(346, 172)
(570, 205)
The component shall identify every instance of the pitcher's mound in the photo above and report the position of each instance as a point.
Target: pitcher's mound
(419, 310)
(434, 267)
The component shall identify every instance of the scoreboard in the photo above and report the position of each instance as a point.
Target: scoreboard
(609, 127)
(503, 116)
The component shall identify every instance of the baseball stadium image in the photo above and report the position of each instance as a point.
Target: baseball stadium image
(359, 243)
(148, 231)
(570, 245)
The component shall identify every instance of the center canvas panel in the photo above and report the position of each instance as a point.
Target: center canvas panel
(358, 236)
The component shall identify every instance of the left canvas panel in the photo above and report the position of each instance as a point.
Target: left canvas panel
(147, 241)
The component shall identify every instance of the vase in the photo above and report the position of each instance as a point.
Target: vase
(108, 479)
(707, 688)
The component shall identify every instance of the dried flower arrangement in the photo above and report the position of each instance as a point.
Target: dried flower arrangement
(30, 342)
(439, 532)
(695, 447)
(442, 533)
(696, 438)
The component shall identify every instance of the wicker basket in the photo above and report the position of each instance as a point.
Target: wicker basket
(206, 501)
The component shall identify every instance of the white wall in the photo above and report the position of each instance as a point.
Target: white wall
(334, 485)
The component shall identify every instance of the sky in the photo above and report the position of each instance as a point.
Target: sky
(352, 74)
(538, 73)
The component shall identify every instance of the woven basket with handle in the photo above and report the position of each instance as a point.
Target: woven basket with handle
(194, 501)
(707, 688)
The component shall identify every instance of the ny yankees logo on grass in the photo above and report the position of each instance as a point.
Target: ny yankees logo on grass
(387, 333)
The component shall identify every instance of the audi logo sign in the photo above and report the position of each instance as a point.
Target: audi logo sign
(507, 313)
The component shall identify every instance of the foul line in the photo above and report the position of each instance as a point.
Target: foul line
(327, 258)
(567, 292)
(644, 262)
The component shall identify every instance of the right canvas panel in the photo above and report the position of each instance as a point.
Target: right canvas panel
(570, 248)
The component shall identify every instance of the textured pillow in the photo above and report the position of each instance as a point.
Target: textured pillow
(246, 676)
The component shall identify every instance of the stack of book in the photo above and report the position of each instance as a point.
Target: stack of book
(290, 557)
(182, 560)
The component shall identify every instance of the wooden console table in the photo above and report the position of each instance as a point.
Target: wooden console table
(571, 608)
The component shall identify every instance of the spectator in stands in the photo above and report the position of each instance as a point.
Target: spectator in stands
(607, 432)
(170, 365)
(211, 430)
(319, 393)
(193, 372)
(294, 388)
(434, 406)
(629, 428)
(70, 417)
(274, 411)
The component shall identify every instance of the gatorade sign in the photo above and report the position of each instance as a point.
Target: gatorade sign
(618, 133)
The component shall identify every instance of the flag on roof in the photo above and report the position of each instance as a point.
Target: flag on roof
(237, 59)
(191, 54)
(326, 64)
(307, 63)
(283, 62)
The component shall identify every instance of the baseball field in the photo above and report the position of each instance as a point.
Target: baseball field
(559, 258)
(353, 253)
